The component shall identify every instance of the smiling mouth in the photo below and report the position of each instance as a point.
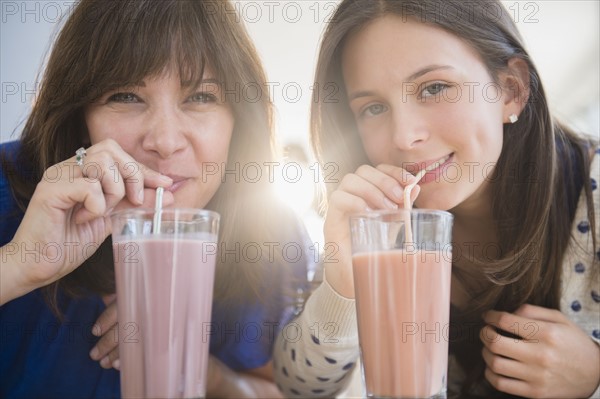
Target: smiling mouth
(427, 166)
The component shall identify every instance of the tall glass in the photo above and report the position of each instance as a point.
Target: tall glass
(164, 266)
(402, 266)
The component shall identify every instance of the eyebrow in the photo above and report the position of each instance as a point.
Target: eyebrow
(204, 81)
(211, 80)
(419, 73)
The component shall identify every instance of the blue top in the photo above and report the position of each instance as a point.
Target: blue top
(41, 356)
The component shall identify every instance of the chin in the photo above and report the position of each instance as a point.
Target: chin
(440, 203)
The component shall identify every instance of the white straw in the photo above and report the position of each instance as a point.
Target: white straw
(408, 238)
(157, 210)
(419, 176)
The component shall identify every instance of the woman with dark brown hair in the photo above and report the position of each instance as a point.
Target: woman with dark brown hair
(139, 94)
(404, 84)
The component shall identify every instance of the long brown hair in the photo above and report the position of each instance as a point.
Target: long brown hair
(109, 44)
(533, 220)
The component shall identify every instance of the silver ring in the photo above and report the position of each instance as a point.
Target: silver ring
(79, 155)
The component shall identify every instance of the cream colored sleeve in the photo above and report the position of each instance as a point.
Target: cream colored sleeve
(315, 353)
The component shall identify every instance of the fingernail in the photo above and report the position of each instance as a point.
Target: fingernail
(105, 362)
(390, 204)
(140, 196)
(96, 330)
(398, 193)
(117, 364)
(94, 353)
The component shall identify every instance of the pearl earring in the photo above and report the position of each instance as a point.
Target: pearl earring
(513, 118)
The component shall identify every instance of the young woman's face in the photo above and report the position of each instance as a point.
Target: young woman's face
(420, 94)
(183, 133)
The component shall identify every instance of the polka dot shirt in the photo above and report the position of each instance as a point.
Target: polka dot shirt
(580, 299)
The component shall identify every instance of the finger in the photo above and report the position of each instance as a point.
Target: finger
(388, 185)
(137, 177)
(86, 193)
(100, 167)
(149, 200)
(94, 170)
(508, 385)
(513, 348)
(108, 341)
(542, 314)
(153, 178)
(106, 344)
(106, 320)
(403, 178)
(342, 203)
(362, 187)
(125, 169)
(505, 366)
(63, 187)
(111, 360)
(522, 350)
(511, 322)
(109, 299)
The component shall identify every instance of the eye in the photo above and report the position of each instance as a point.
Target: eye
(203, 97)
(433, 89)
(374, 110)
(123, 98)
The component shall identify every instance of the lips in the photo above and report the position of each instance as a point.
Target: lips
(430, 165)
(178, 182)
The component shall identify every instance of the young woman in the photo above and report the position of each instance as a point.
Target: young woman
(139, 94)
(404, 84)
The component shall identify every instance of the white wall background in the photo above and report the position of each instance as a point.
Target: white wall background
(562, 35)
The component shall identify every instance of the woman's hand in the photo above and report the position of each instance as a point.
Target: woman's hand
(67, 217)
(106, 349)
(553, 358)
(368, 188)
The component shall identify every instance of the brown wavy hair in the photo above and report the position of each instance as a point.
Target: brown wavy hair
(107, 44)
(533, 220)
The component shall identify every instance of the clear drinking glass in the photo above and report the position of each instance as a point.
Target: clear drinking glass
(402, 266)
(164, 267)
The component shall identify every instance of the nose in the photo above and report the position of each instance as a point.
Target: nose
(165, 135)
(409, 130)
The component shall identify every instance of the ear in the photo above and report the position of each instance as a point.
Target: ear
(515, 87)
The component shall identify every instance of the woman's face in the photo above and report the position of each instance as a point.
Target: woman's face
(420, 94)
(183, 133)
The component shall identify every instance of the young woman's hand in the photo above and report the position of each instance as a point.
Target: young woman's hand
(106, 350)
(67, 217)
(553, 358)
(368, 188)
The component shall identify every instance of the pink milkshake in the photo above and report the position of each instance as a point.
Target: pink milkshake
(403, 306)
(164, 291)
